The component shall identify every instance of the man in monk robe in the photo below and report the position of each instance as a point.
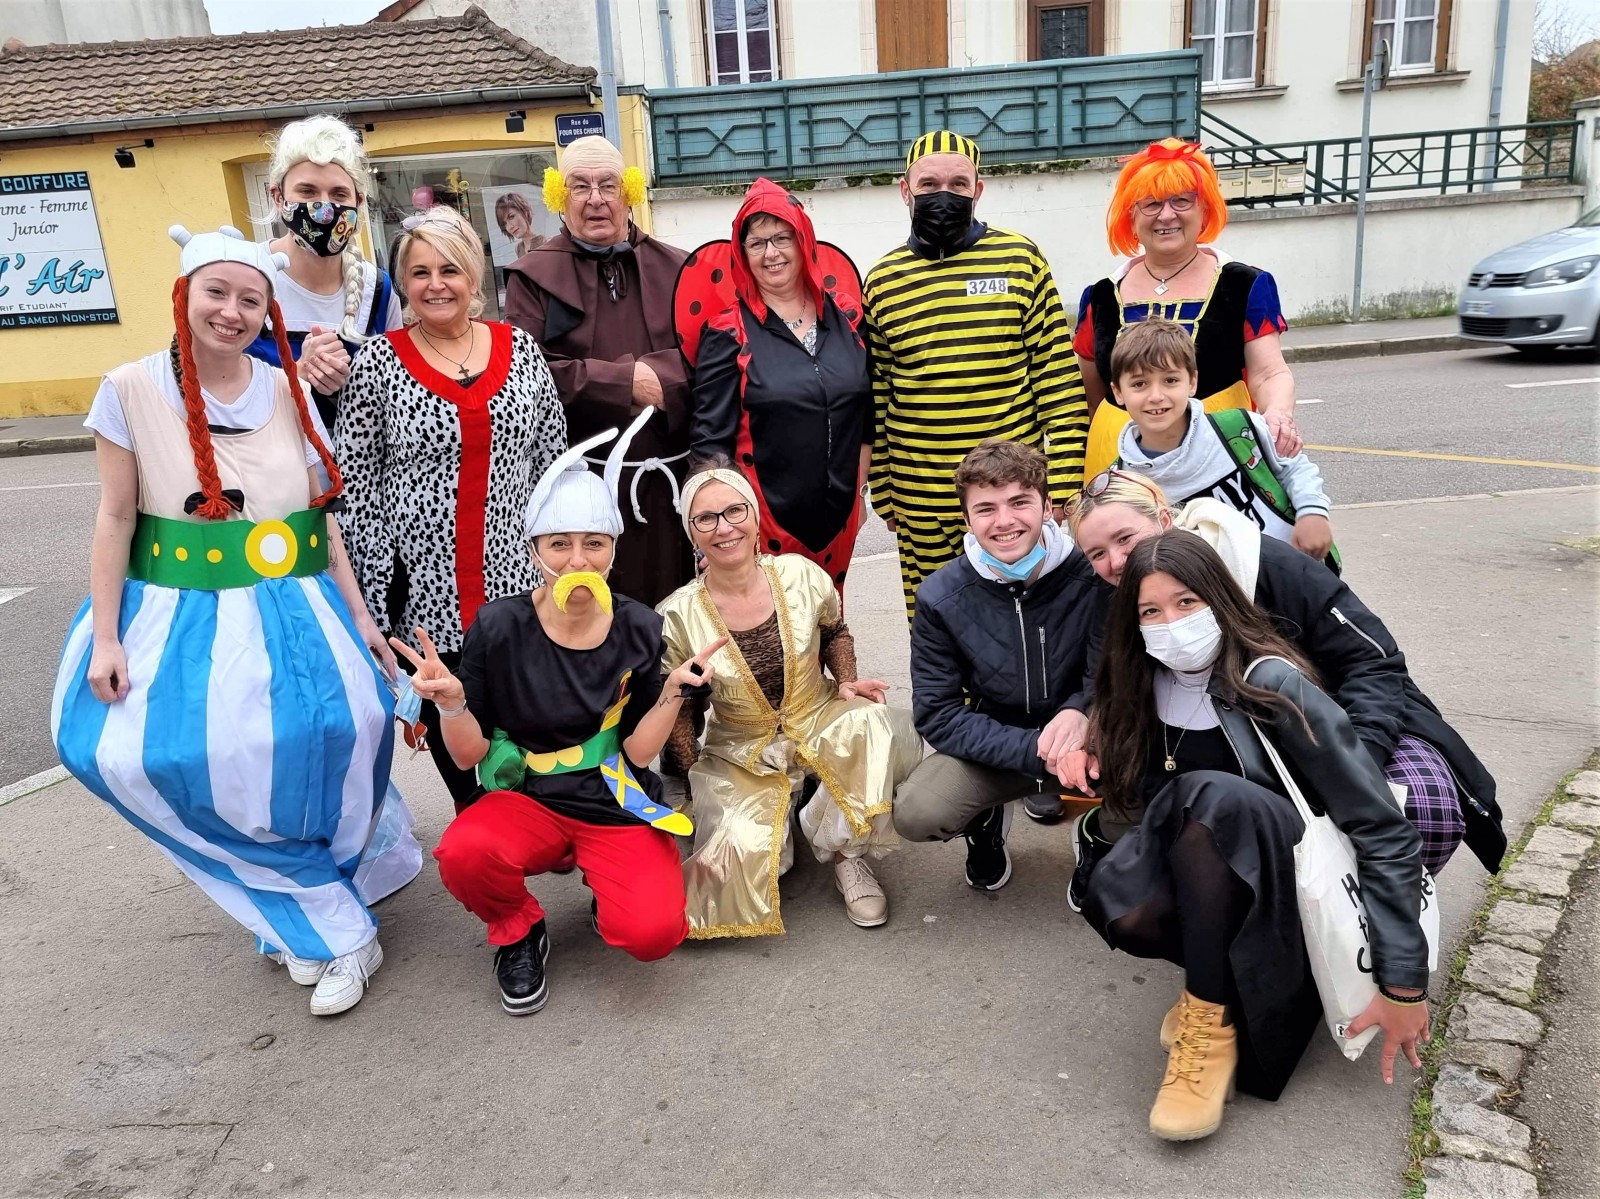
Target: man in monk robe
(598, 299)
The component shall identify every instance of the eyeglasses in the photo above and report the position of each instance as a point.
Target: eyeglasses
(1097, 486)
(734, 514)
(778, 241)
(1182, 202)
(580, 189)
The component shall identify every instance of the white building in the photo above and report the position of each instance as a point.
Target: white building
(1281, 70)
(61, 22)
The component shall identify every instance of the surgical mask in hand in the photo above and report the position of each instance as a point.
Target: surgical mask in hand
(407, 703)
(941, 219)
(1190, 644)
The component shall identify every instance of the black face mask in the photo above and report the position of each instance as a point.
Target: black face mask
(940, 220)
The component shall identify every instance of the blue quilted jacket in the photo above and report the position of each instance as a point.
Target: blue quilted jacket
(1019, 654)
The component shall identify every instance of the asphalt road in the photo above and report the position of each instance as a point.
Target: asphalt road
(1479, 404)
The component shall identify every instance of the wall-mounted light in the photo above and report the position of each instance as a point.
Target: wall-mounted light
(514, 121)
(124, 154)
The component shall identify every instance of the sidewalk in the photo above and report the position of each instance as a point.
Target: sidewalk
(25, 435)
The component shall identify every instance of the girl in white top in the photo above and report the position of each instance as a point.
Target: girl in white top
(332, 298)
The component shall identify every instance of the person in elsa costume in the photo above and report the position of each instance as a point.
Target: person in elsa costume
(560, 705)
(219, 688)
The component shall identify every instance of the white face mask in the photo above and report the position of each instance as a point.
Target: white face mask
(1190, 644)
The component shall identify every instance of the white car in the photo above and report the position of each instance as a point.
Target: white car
(1539, 293)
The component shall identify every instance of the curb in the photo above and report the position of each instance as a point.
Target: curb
(1471, 1147)
(1333, 351)
(25, 447)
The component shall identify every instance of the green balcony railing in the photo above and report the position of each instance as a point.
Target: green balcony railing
(1438, 161)
(1031, 112)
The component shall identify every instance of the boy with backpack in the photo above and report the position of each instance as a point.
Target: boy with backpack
(1228, 455)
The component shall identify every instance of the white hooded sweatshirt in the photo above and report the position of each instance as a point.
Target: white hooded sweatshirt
(1202, 465)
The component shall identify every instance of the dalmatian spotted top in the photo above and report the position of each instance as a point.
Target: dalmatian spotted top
(437, 478)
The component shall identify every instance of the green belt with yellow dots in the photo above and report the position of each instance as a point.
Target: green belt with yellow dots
(216, 555)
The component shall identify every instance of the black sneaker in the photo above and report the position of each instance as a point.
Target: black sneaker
(519, 968)
(988, 863)
(1088, 847)
(1046, 809)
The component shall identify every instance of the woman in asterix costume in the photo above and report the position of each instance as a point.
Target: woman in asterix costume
(217, 688)
(560, 706)
(777, 721)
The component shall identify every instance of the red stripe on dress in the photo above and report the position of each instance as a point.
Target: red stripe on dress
(472, 481)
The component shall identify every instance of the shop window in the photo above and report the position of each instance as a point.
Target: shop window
(742, 39)
(1418, 33)
(500, 193)
(1230, 35)
(1072, 30)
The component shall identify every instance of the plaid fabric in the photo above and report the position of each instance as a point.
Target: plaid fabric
(1431, 800)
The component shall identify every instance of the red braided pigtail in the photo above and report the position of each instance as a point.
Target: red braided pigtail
(213, 505)
(286, 356)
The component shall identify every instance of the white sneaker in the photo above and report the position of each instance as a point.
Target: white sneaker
(305, 971)
(864, 900)
(345, 981)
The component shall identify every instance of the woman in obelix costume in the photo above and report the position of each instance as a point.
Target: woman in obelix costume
(217, 689)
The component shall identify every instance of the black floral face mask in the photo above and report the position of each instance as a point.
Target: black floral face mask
(322, 227)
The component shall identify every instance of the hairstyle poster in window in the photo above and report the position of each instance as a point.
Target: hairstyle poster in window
(518, 221)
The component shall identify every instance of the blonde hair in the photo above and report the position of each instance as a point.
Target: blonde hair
(326, 139)
(452, 236)
(1123, 487)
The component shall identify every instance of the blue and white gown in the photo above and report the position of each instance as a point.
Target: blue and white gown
(255, 741)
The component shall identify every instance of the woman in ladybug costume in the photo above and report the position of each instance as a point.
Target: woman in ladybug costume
(770, 322)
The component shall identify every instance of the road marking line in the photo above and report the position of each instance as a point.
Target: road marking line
(34, 782)
(1555, 382)
(11, 593)
(1301, 403)
(47, 486)
(1351, 449)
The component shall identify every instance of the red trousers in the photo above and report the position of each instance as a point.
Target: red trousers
(633, 870)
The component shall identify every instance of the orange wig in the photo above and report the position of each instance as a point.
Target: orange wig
(1162, 169)
(215, 505)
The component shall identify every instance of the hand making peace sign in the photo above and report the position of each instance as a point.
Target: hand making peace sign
(433, 680)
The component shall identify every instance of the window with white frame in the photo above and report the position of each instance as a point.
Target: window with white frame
(1226, 32)
(1412, 29)
(743, 42)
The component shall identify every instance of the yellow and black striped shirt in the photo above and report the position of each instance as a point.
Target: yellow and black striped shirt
(976, 345)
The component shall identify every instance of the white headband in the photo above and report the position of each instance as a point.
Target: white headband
(227, 244)
(716, 474)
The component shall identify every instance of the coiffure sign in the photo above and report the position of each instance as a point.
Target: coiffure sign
(52, 262)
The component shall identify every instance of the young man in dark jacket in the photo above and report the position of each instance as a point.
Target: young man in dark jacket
(1000, 648)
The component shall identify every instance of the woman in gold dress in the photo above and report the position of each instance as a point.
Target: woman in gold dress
(776, 721)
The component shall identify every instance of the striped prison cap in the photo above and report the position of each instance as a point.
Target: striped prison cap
(942, 141)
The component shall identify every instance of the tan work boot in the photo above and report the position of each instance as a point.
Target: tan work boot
(1199, 1079)
(1169, 1024)
(864, 900)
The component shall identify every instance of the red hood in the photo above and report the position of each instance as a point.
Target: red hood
(767, 198)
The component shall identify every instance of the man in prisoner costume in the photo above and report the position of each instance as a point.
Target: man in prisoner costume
(968, 341)
(598, 299)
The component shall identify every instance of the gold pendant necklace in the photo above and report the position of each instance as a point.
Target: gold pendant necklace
(1171, 762)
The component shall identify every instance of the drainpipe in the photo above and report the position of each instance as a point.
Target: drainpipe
(664, 19)
(608, 70)
(1491, 169)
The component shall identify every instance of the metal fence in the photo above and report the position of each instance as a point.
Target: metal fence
(1033, 112)
(1438, 161)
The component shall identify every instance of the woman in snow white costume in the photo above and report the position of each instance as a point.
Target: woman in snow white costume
(217, 688)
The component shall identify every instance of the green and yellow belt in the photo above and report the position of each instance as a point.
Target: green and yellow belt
(217, 555)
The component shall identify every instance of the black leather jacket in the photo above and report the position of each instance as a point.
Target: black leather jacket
(1338, 777)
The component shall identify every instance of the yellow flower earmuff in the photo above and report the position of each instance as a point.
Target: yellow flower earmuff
(555, 189)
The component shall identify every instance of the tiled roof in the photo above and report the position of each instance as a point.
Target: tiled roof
(242, 74)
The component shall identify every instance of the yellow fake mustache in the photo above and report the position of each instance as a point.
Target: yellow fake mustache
(596, 583)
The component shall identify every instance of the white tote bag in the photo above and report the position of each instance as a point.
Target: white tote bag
(1333, 917)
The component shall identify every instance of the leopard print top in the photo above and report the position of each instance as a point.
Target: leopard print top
(411, 443)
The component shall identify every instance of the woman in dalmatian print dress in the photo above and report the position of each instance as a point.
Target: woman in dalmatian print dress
(444, 428)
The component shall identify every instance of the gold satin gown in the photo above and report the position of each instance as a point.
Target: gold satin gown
(753, 755)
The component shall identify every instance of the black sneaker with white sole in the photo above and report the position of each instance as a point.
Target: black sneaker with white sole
(519, 969)
(988, 863)
(1046, 809)
(1088, 847)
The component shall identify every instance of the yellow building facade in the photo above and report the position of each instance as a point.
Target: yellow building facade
(202, 177)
